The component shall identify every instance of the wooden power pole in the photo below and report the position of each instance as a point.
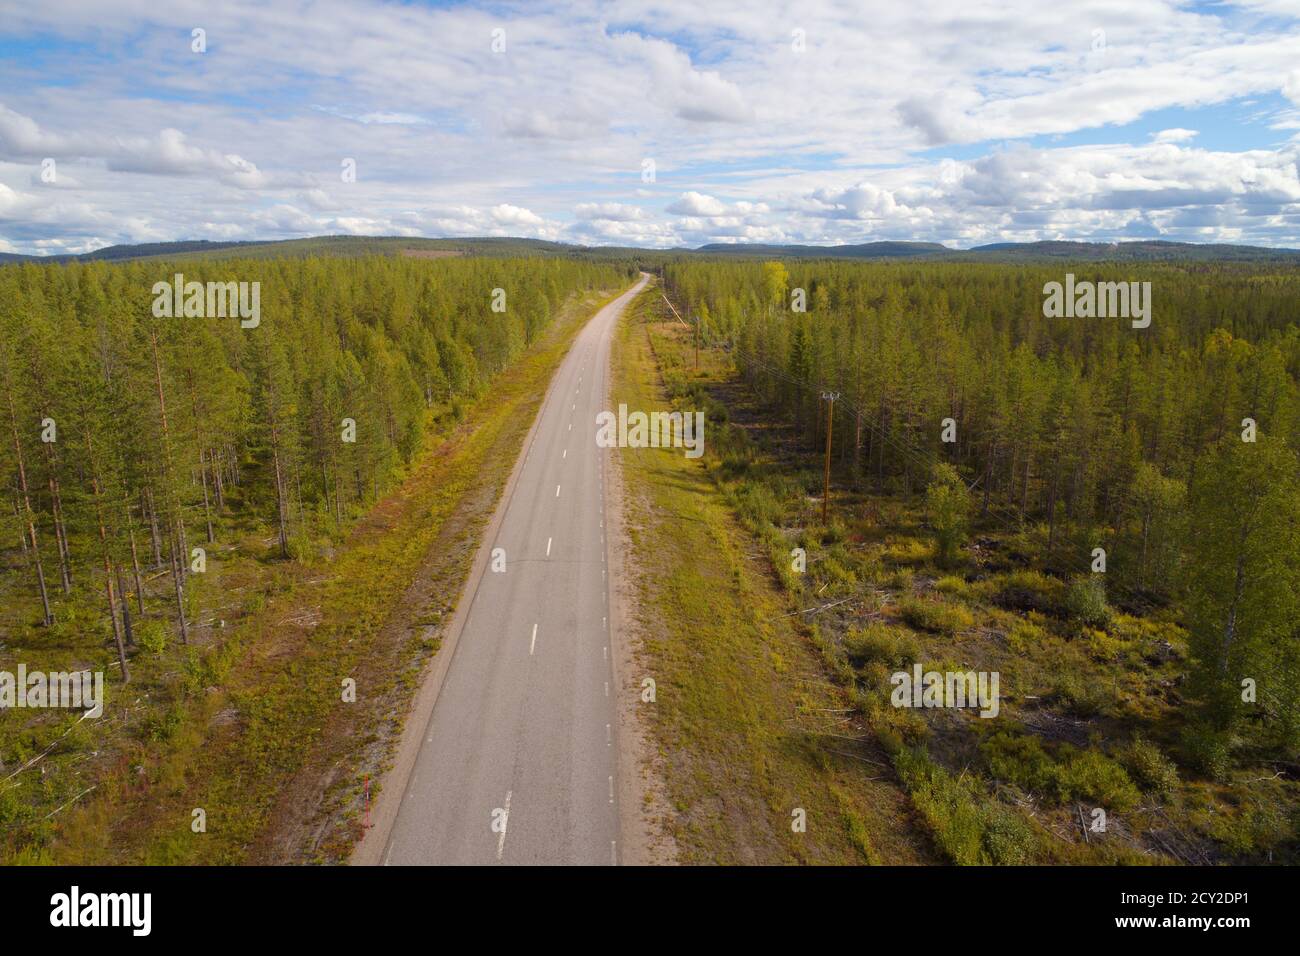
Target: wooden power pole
(826, 492)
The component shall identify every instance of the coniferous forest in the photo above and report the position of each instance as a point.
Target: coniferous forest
(1109, 515)
(131, 438)
(143, 453)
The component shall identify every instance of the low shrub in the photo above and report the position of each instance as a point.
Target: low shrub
(935, 616)
(1020, 759)
(1027, 591)
(1079, 697)
(1205, 750)
(880, 643)
(1090, 774)
(1150, 769)
(1085, 602)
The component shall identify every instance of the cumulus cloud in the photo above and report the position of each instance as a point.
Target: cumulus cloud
(169, 153)
(22, 138)
(692, 203)
(863, 201)
(610, 211)
(1046, 135)
(508, 215)
(166, 153)
(699, 96)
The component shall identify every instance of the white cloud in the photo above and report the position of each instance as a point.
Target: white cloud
(698, 96)
(536, 124)
(22, 138)
(610, 211)
(840, 143)
(692, 203)
(1291, 89)
(508, 215)
(169, 153)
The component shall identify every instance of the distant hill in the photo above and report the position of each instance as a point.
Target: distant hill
(864, 250)
(1140, 251)
(146, 250)
(1028, 252)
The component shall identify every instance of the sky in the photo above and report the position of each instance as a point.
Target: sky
(654, 123)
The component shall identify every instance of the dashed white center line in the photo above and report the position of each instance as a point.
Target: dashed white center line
(609, 737)
(533, 643)
(505, 820)
(565, 453)
(548, 547)
(611, 789)
(557, 491)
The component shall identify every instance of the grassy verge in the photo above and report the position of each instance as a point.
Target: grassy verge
(750, 724)
(256, 729)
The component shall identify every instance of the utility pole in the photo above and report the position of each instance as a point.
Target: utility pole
(829, 397)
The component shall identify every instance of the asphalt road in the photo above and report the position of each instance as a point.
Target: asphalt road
(518, 763)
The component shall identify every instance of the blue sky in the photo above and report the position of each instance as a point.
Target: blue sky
(813, 122)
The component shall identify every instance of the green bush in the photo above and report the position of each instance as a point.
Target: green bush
(1258, 826)
(935, 616)
(1073, 774)
(1028, 591)
(953, 585)
(1085, 602)
(1150, 769)
(972, 829)
(1092, 775)
(1008, 840)
(1020, 759)
(949, 809)
(1079, 697)
(880, 643)
(947, 509)
(151, 635)
(160, 727)
(834, 568)
(1206, 751)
